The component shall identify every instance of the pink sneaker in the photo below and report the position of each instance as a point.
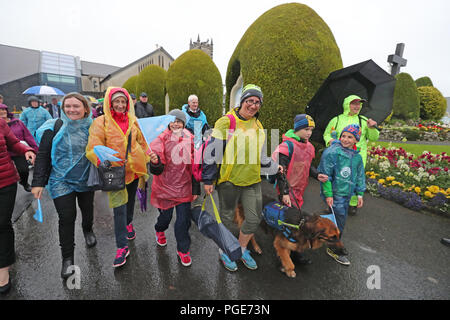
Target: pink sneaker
(161, 239)
(121, 257)
(185, 258)
(131, 234)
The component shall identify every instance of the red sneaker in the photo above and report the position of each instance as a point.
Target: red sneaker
(185, 258)
(161, 239)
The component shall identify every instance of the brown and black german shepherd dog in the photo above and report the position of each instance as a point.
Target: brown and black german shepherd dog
(314, 231)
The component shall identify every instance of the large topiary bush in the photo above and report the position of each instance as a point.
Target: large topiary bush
(195, 73)
(130, 85)
(151, 80)
(432, 103)
(406, 104)
(288, 51)
(424, 82)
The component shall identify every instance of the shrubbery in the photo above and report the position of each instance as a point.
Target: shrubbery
(424, 82)
(130, 85)
(288, 51)
(432, 103)
(151, 80)
(406, 104)
(195, 73)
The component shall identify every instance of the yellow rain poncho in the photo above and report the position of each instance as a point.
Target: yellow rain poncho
(107, 132)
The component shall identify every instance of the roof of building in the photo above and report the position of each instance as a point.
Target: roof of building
(98, 69)
(144, 57)
(16, 63)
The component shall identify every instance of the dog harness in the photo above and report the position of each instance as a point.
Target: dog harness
(274, 215)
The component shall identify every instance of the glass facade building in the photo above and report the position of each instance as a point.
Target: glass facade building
(60, 71)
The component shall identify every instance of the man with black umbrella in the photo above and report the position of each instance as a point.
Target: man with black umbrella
(352, 106)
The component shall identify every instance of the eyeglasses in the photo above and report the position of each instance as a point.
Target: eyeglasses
(253, 102)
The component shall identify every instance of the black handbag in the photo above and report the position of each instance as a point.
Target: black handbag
(113, 178)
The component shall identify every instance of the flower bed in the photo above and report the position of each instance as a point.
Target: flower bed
(415, 131)
(415, 182)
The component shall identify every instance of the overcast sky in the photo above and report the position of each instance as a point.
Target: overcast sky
(119, 32)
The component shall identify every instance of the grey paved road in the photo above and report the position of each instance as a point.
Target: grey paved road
(400, 245)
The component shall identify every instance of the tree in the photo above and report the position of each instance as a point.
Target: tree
(130, 84)
(152, 80)
(432, 103)
(195, 73)
(406, 104)
(288, 51)
(424, 82)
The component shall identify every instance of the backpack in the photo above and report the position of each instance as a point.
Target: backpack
(273, 178)
(197, 167)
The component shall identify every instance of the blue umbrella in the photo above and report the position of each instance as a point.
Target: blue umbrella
(152, 127)
(38, 215)
(44, 90)
(104, 153)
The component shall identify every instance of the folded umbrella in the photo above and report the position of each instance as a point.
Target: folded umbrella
(142, 196)
(215, 230)
(38, 215)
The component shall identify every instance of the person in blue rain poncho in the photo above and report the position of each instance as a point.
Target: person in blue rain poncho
(61, 164)
(34, 116)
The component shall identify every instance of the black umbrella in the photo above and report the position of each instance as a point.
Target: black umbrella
(366, 80)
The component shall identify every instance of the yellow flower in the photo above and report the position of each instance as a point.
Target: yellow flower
(429, 194)
(381, 181)
(417, 189)
(433, 189)
(390, 178)
(372, 177)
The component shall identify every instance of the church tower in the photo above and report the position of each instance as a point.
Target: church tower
(206, 47)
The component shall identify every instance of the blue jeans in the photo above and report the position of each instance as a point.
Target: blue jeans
(340, 207)
(182, 225)
(123, 216)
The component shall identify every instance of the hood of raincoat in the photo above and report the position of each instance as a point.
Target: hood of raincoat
(346, 104)
(70, 167)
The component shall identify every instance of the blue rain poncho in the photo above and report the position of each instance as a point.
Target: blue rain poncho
(70, 167)
(33, 118)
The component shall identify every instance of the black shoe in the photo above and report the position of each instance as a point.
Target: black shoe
(5, 289)
(352, 210)
(66, 263)
(299, 258)
(90, 238)
(446, 241)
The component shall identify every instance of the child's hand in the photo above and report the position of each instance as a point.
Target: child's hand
(360, 202)
(287, 200)
(153, 157)
(322, 177)
(329, 201)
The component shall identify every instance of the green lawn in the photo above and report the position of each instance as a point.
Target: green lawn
(416, 149)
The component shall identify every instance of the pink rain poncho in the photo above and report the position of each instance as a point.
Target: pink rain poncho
(174, 185)
(298, 170)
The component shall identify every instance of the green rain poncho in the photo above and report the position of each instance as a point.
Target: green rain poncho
(341, 121)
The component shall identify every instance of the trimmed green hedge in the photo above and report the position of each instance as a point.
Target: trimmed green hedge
(151, 80)
(130, 85)
(406, 104)
(432, 103)
(288, 51)
(424, 82)
(195, 73)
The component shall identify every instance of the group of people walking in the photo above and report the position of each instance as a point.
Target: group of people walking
(66, 153)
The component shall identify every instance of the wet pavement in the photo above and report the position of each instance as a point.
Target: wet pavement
(394, 252)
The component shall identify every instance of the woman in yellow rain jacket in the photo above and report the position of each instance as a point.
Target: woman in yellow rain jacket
(112, 130)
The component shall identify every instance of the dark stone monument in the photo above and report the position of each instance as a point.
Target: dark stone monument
(397, 59)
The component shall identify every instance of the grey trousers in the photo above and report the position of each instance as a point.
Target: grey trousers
(251, 199)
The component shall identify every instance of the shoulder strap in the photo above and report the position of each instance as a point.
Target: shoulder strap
(290, 147)
(58, 125)
(232, 124)
(128, 145)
